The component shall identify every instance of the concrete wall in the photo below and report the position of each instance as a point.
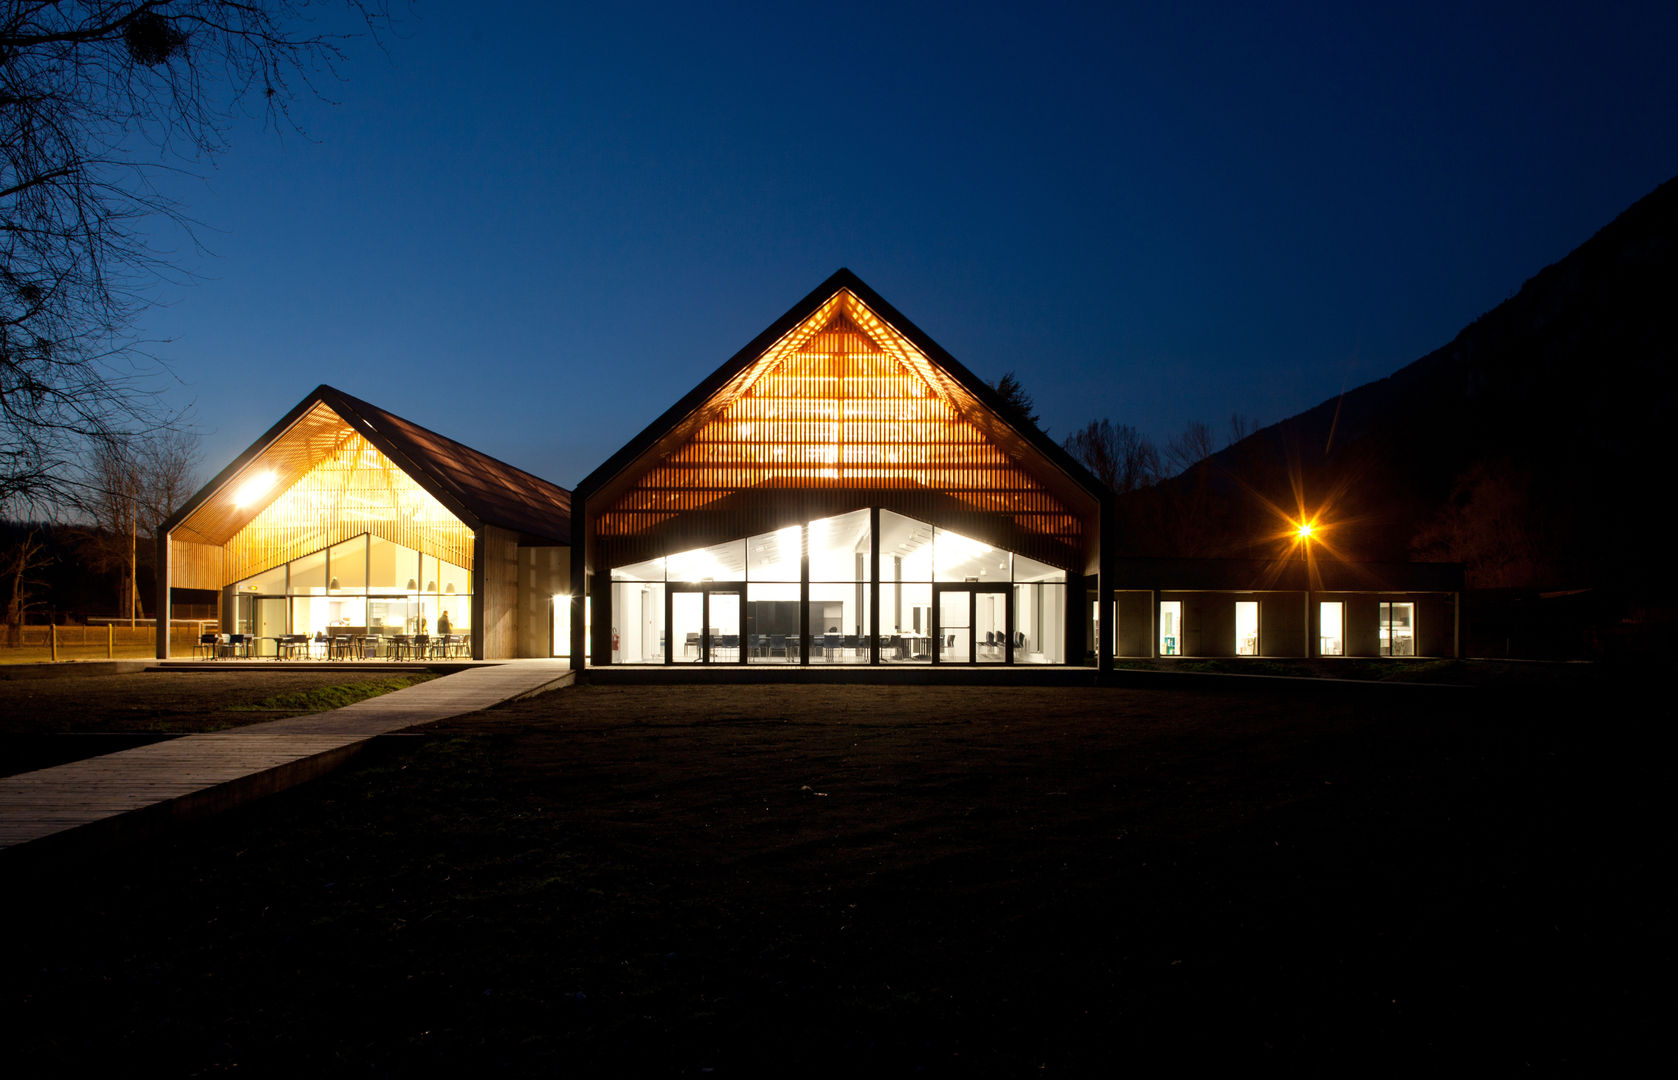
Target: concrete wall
(1208, 627)
(1434, 629)
(1135, 623)
(1282, 626)
(543, 573)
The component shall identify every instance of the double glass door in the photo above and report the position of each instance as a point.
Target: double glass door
(704, 621)
(972, 624)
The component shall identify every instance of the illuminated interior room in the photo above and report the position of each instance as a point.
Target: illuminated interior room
(366, 535)
(840, 492)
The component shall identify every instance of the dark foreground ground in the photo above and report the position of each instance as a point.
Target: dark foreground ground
(46, 722)
(864, 881)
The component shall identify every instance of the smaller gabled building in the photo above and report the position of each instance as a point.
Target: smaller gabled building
(346, 520)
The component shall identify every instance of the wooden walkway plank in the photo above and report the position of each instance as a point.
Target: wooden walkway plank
(197, 774)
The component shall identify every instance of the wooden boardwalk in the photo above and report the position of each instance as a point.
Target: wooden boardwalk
(200, 774)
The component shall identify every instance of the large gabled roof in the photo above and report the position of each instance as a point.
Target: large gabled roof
(944, 372)
(475, 487)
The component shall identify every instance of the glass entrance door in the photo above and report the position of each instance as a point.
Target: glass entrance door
(973, 624)
(705, 623)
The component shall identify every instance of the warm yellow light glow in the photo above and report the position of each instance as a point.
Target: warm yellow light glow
(1305, 528)
(253, 489)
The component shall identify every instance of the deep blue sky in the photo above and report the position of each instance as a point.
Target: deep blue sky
(533, 232)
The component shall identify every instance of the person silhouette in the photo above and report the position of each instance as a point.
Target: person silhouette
(443, 624)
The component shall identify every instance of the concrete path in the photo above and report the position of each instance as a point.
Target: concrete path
(200, 774)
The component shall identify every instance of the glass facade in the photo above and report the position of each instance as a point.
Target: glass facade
(365, 586)
(805, 594)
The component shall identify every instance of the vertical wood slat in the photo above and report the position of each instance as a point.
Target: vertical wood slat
(842, 403)
(354, 490)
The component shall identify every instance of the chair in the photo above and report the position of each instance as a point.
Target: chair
(208, 646)
(830, 645)
(421, 647)
(367, 647)
(238, 645)
(849, 644)
(691, 646)
(341, 647)
(400, 646)
(731, 642)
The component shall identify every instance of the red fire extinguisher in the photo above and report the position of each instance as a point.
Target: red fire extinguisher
(614, 639)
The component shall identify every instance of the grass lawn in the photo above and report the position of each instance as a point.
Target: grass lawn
(886, 880)
(47, 722)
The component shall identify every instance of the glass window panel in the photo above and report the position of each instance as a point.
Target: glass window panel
(959, 558)
(651, 570)
(429, 574)
(839, 548)
(905, 548)
(687, 611)
(719, 562)
(839, 622)
(392, 567)
(990, 627)
(637, 622)
(1031, 570)
(1330, 629)
(1397, 631)
(453, 613)
(906, 614)
(954, 624)
(348, 565)
(456, 580)
(775, 556)
(1171, 628)
(1039, 623)
(268, 583)
(772, 623)
(308, 575)
(722, 638)
(391, 615)
(1246, 628)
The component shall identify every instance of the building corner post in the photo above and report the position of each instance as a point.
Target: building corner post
(163, 577)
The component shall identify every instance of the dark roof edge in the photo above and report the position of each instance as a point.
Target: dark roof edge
(251, 453)
(346, 407)
(719, 378)
(842, 278)
(429, 431)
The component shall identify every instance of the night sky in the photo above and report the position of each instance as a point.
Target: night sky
(533, 232)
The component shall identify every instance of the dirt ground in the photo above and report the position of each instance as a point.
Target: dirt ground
(892, 880)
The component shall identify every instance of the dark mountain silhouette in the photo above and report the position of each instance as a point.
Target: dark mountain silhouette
(1534, 448)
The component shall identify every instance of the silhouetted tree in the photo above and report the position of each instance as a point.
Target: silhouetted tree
(1191, 446)
(1017, 405)
(132, 485)
(18, 563)
(85, 88)
(1123, 458)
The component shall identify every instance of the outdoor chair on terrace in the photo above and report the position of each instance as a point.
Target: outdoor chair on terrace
(399, 646)
(208, 645)
(368, 647)
(342, 647)
(422, 647)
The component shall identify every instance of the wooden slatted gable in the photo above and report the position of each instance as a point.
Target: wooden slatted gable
(841, 412)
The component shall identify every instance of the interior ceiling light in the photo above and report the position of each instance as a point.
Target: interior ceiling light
(253, 489)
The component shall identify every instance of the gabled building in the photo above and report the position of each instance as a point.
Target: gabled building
(346, 520)
(842, 490)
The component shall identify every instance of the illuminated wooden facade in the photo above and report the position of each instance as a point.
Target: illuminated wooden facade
(336, 468)
(842, 405)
